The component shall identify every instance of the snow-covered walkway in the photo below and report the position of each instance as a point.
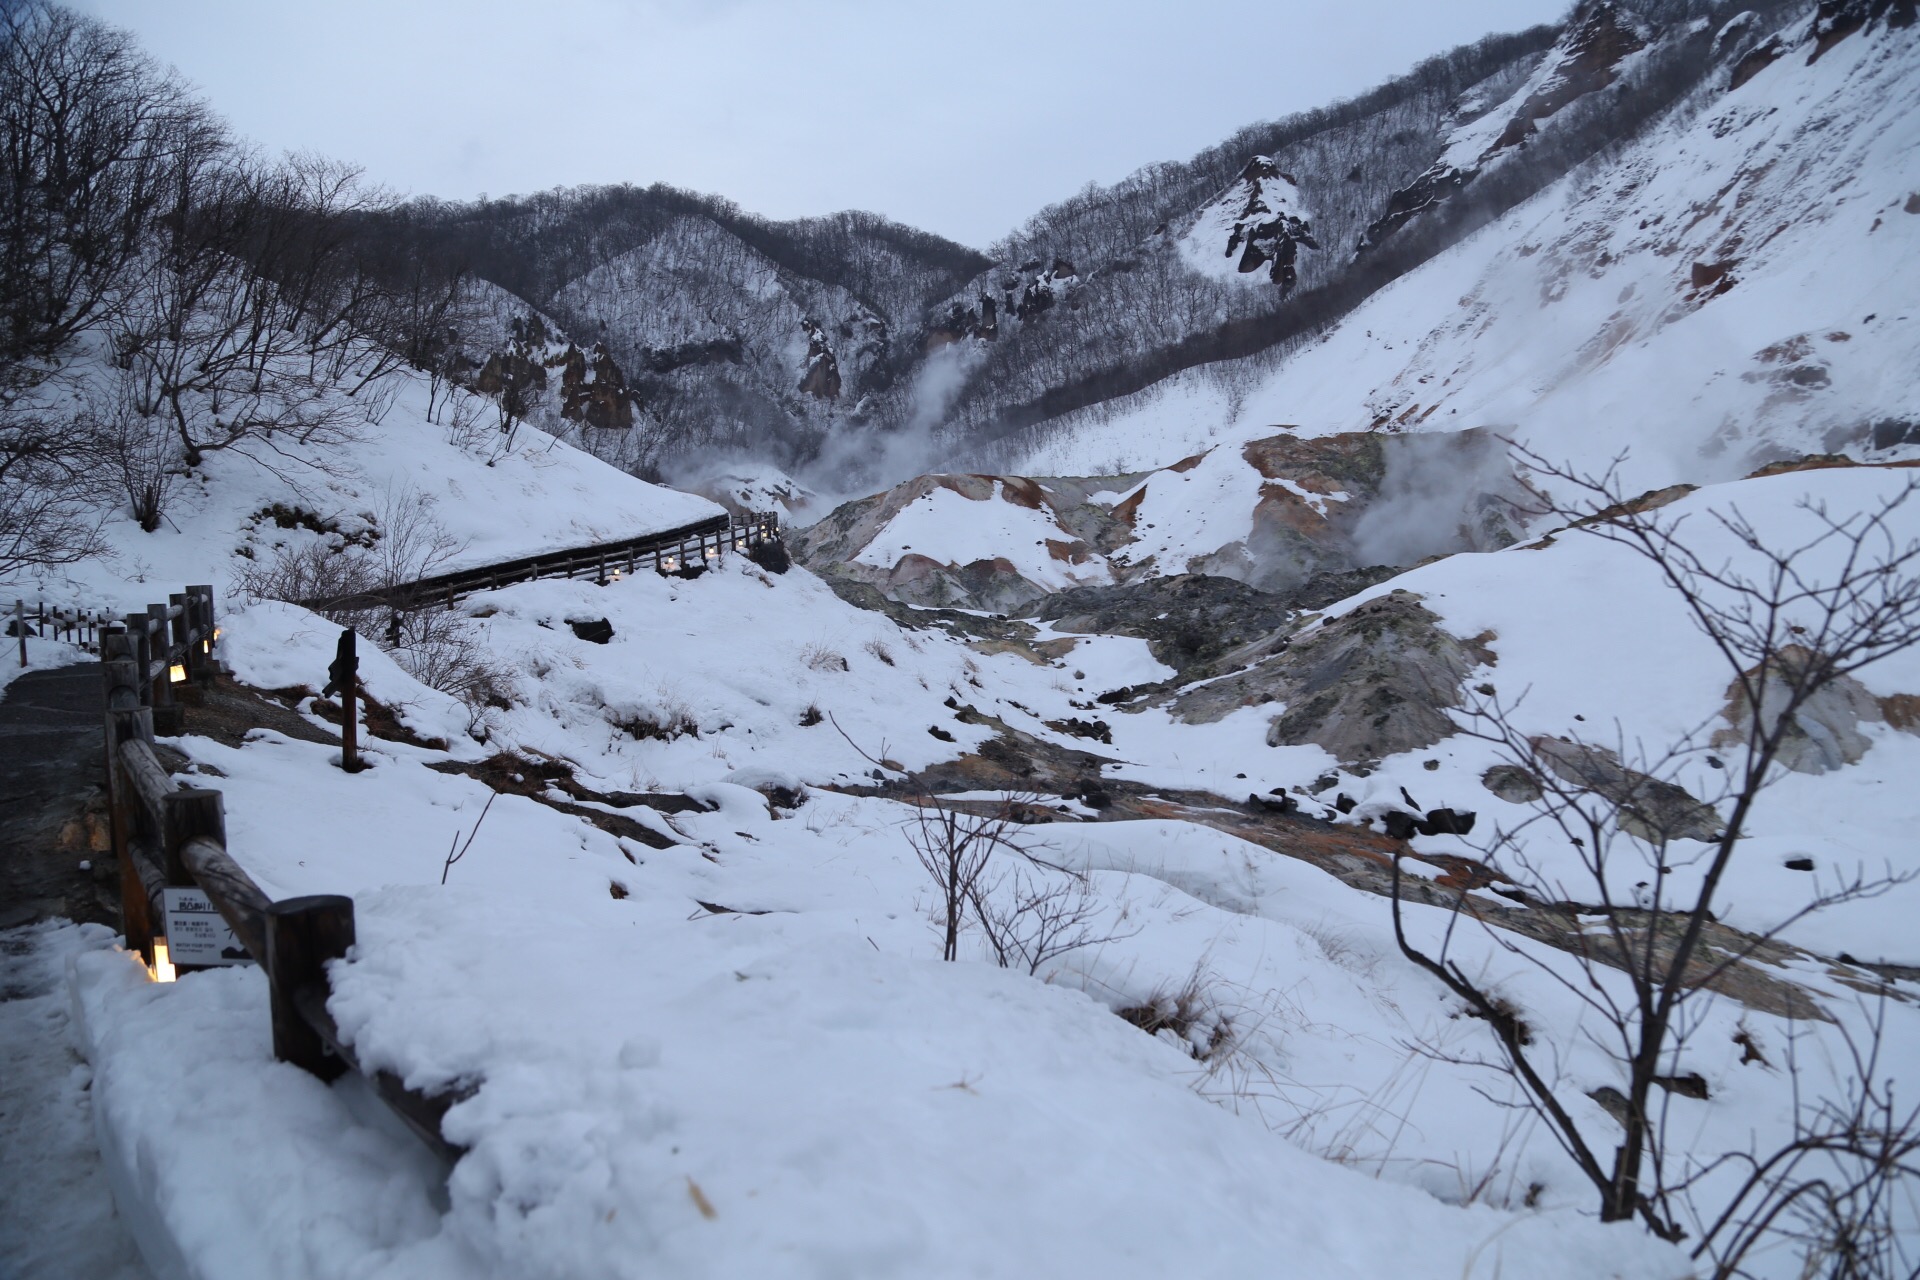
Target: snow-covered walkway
(57, 1218)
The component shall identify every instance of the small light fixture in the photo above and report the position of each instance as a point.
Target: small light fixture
(177, 673)
(163, 970)
(712, 552)
(206, 646)
(216, 633)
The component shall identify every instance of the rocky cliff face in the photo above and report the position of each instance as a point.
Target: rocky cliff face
(1256, 225)
(1599, 39)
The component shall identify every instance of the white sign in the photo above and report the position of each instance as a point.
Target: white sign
(196, 933)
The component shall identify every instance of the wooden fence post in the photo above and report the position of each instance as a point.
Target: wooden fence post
(20, 623)
(302, 935)
(189, 812)
(169, 719)
(126, 719)
(200, 664)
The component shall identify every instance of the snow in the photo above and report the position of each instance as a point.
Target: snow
(959, 530)
(59, 1220)
(840, 1101)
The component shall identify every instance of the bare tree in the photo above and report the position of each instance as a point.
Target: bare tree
(90, 129)
(1791, 625)
(48, 515)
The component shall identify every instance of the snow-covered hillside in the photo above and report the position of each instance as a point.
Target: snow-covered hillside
(1250, 694)
(460, 491)
(1733, 288)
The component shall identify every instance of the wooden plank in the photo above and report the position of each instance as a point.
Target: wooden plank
(420, 1112)
(241, 902)
(147, 781)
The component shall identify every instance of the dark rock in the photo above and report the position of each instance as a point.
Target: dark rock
(1399, 825)
(1274, 803)
(1799, 864)
(1512, 783)
(592, 630)
(771, 556)
(1645, 807)
(940, 733)
(1447, 822)
(1691, 1085)
(1344, 802)
(1187, 620)
(1098, 730)
(822, 376)
(593, 391)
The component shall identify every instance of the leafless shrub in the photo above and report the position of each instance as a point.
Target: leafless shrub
(1785, 637)
(466, 429)
(48, 512)
(987, 873)
(665, 721)
(954, 847)
(878, 648)
(441, 650)
(1840, 1191)
(310, 571)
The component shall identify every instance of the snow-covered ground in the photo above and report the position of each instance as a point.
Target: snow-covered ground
(794, 1084)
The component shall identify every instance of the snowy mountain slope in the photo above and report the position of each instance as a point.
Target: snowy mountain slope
(1733, 288)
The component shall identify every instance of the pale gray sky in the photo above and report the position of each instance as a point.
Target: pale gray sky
(960, 117)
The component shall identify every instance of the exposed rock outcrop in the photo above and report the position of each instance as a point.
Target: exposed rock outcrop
(1587, 58)
(1825, 731)
(1188, 621)
(1376, 681)
(1263, 223)
(1644, 806)
(593, 391)
(820, 377)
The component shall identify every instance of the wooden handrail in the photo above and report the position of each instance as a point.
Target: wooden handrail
(169, 836)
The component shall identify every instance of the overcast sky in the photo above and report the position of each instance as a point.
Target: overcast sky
(961, 117)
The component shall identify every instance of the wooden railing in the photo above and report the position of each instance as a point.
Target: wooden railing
(169, 837)
(673, 551)
(78, 625)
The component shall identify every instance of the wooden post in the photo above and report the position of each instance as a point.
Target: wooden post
(169, 719)
(343, 677)
(187, 814)
(20, 622)
(125, 719)
(200, 663)
(302, 935)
